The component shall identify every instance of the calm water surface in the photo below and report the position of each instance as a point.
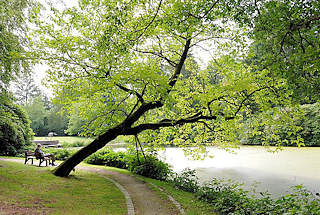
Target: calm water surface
(255, 167)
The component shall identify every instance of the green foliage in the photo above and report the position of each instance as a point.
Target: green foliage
(108, 157)
(307, 128)
(225, 197)
(286, 41)
(15, 131)
(60, 154)
(150, 166)
(12, 39)
(229, 198)
(187, 181)
(76, 124)
(44, 121)
(75, 144)
(310, 124)
(36, 112)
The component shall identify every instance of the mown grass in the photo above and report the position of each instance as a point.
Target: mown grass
(26, 186)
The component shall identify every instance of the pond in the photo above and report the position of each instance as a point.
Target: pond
(255, 167)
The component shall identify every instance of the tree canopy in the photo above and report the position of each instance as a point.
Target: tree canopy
(130, 67)
(287, 42)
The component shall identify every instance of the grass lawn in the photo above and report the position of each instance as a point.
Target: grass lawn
(36, 190)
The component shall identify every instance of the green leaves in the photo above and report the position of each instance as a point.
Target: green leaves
(132, 63)
(286, 42)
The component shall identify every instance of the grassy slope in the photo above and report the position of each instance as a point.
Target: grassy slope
(34, 187)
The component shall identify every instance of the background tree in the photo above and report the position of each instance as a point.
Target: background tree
(15, 130)
(38, 116)
(287, 42)
(25, 89)
(76, 124)
(120, 64)
(57, 121)
(43, 120)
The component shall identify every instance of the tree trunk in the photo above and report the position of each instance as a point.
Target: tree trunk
(67, 166)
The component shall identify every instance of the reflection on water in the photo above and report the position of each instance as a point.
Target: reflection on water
(274, 172)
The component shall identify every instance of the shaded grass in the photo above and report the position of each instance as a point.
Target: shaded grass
(34, 187)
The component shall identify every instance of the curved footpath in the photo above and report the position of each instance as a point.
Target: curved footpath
(141, 200)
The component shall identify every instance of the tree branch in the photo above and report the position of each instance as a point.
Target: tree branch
(131, 91)
(169, 123)
(149, 24)
(304, 24)
(172, 63)
(179, 66)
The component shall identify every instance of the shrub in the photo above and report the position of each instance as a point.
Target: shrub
(60, 154)
(15, 131)
(109, 158)
(150, 167)
(225, 197)
(187, 181)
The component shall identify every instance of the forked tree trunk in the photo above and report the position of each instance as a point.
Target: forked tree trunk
(67, 166)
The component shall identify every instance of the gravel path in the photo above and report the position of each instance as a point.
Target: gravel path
(145, 201)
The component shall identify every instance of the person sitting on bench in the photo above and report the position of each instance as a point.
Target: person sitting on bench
(39, 153)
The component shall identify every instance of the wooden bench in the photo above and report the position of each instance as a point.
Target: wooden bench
(29, 155)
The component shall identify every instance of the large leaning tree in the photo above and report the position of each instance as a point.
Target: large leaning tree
(130, 67)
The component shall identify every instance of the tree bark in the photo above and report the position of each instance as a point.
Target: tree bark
(67, 166)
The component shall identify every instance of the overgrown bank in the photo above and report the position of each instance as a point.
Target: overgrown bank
(225, 197)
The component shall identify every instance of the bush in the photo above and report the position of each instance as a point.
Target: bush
(225, 197)
(109, 158)
(150, 167)
(187, 181)
(74, 144)
(60, 154)
(15, 131)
